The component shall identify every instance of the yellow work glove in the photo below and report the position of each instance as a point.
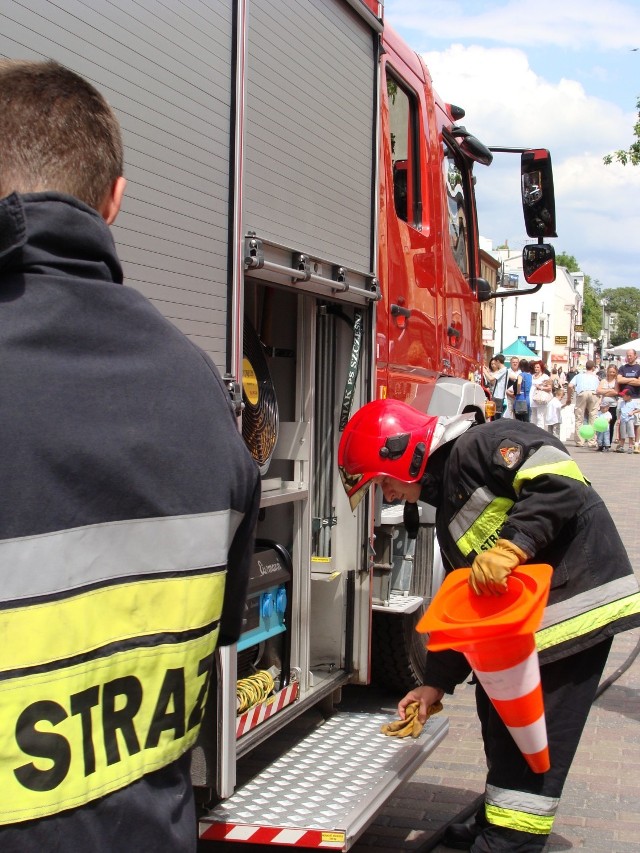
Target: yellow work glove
(491, 568)
(411, 725)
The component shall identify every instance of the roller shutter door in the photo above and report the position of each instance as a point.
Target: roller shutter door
(166, 70)
(309, 129)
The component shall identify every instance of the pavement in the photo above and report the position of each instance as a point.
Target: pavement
(600, 808)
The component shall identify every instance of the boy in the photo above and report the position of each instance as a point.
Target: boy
(604, 438)
(553, 415)
(628, 406)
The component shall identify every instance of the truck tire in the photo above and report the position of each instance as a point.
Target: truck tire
(398, 652)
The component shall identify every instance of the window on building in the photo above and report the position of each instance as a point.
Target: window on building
(533, 326)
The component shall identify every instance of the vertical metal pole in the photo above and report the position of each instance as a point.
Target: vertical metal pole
(324, 433)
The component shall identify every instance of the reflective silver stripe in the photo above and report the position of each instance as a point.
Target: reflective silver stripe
(473, 508)
(589, 600)
(546, 455)
(522, 801)
(53, 562)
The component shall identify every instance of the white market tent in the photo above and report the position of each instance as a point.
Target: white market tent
(622, 349)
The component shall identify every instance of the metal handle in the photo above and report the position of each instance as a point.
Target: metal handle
(398, 310)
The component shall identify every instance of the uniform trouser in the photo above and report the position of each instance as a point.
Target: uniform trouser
(522, 796)
(587, 405)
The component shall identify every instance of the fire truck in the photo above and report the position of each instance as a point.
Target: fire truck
(301, 204)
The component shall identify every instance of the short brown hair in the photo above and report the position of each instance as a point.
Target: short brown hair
(57, 133)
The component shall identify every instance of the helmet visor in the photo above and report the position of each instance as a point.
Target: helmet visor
(355, 485)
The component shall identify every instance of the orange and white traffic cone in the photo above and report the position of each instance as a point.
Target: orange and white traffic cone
(496, 635)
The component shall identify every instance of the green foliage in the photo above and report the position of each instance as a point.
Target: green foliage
(565, 260)
(624, 302)
(591, 308)
(632, 154)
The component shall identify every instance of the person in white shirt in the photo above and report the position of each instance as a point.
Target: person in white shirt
(496, 376)
(514, 380)
(540, 394)
(553, 415)
(584, 386)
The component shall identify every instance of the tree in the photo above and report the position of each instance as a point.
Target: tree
(568, 261)
(624, 302)
(591, 308)
(632, 154)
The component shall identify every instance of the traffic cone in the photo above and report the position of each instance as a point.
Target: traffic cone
(496, 635)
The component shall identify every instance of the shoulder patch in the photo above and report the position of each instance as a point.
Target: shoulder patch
(509, 453)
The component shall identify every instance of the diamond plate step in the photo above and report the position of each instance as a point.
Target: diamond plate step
(324, 791)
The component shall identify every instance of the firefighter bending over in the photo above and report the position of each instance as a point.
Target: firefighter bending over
(128, 501)
(506, 494)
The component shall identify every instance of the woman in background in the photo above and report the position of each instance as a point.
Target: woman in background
(540, 383)
(524, 392)
(513, 385)
(608, 393)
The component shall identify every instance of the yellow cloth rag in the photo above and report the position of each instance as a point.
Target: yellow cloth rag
(411, 725)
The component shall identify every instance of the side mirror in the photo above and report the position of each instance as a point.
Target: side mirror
(539, 263)
(538, 199)
(471, 146)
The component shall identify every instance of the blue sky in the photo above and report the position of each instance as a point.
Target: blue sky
(560, 74)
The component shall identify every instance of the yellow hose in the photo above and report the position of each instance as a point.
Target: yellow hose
(254, 689)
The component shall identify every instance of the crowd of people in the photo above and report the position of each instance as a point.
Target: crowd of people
(527, 390)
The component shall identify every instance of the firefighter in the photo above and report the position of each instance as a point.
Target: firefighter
(505, 494)
(128, 500)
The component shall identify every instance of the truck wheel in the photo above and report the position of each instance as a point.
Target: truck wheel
(397, 651)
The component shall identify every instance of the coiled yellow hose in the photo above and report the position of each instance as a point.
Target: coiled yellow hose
(254, 689)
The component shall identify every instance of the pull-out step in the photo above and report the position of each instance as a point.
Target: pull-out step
(325, 790)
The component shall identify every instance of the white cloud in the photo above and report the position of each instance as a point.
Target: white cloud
(507, 103)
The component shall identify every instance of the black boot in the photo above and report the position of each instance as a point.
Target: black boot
(460, 836)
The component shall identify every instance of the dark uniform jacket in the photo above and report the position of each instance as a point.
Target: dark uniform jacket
(513, 481)
(127, 510)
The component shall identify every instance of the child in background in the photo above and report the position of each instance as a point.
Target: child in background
(604, 438)
(553, 415)
(627, 420)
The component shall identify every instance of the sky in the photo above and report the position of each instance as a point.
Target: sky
(556, 74)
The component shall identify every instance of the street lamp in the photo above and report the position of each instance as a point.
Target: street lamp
(543, 319)
(605, 341)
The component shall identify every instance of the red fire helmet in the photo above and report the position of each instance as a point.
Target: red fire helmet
(384, 438)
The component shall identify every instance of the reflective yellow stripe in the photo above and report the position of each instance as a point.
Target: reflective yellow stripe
(559, 469)
(522, 821)
(587, 622)
(483, 533)
(56, 630)
(71, 736)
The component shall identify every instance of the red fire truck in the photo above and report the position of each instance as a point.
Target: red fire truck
(301, 204)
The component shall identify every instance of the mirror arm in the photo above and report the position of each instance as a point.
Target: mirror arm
(500, 149)
(497, 294)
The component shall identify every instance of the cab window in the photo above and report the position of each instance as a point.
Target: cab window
(404, 157)
(454, 180)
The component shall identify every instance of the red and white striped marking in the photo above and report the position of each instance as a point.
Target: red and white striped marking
(516, 694)
(256, 715)
(285, 836)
